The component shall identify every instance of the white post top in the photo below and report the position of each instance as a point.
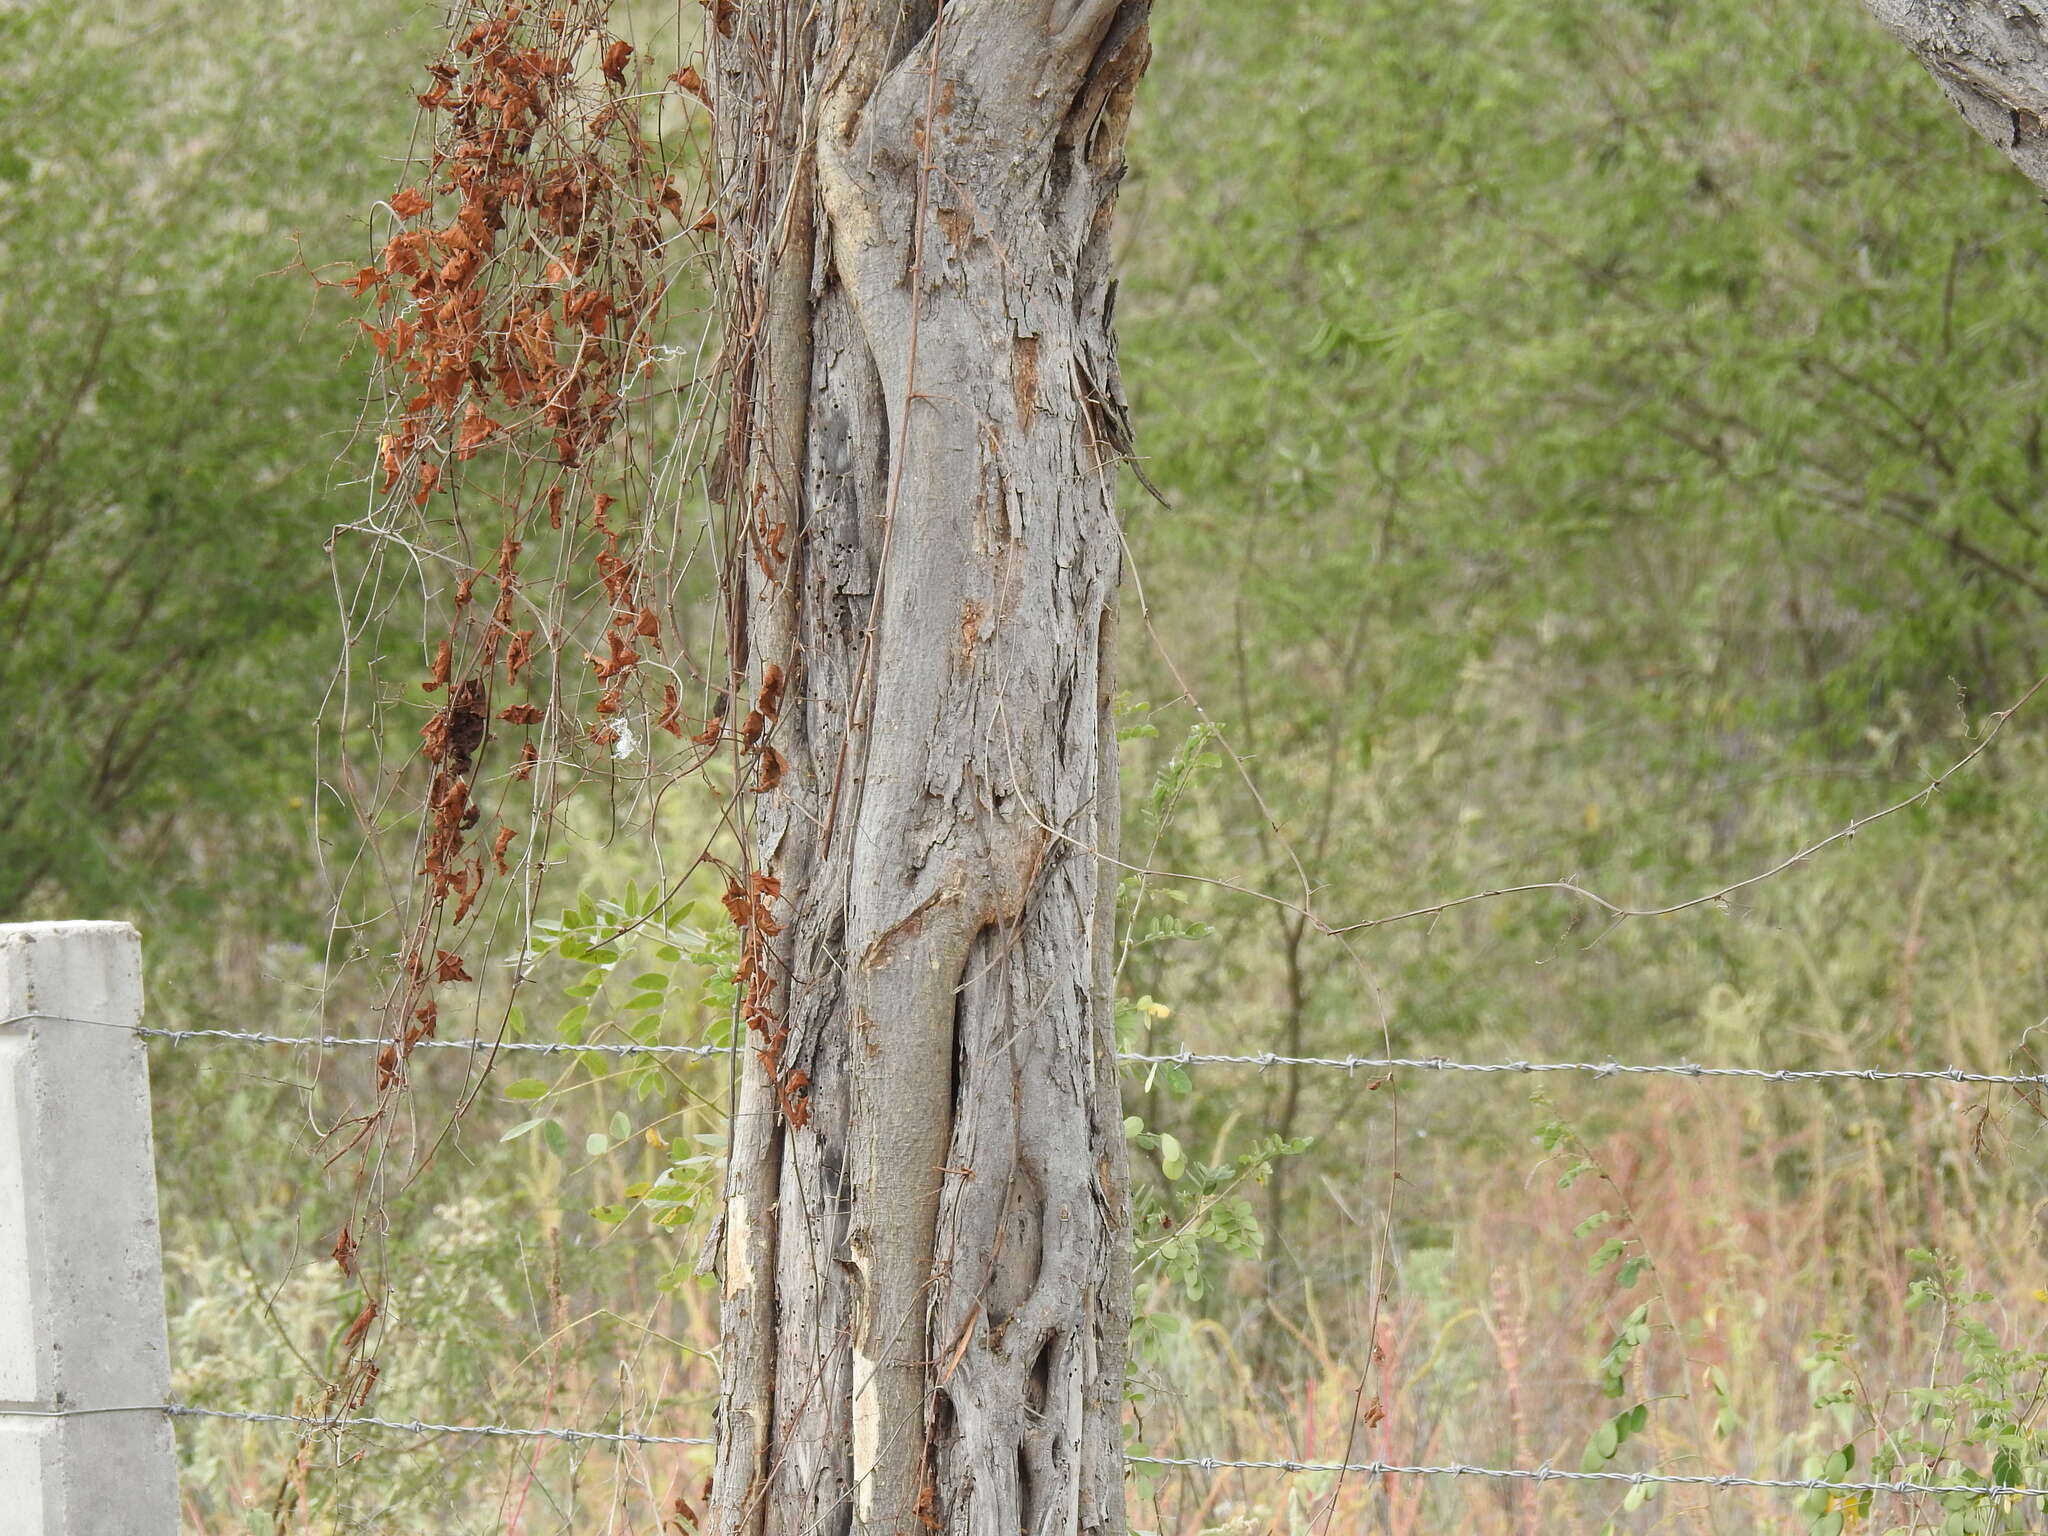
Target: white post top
(82, 970)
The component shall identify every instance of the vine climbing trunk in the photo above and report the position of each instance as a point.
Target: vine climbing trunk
(925, 1256)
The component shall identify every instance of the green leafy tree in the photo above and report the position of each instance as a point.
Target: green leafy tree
(176, 412)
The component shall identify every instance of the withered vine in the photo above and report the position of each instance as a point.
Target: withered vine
(519, 304)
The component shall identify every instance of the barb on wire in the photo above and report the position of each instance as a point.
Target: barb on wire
(1542, 1474)
(1184, 1058)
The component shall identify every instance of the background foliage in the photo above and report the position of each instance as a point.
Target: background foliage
(1602, 441)
(181, 408)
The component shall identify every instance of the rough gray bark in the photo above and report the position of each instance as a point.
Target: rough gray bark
(926, 1250)
(1991, 58)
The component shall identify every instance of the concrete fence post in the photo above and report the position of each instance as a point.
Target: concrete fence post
(84, 1364)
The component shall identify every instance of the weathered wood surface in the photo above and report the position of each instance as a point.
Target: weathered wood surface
(926, 1252)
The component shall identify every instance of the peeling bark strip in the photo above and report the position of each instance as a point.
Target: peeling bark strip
(926, 1250)
(1991, 59)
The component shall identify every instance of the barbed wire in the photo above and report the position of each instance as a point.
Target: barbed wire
(1182, 1058)
(1597, 1068)
(1549, 1474)
(340, 1042)
(177, 1410)
(1540, 1474)
(541, 1047)
(421, 1427)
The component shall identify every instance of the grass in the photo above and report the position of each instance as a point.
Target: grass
(1778, 1220)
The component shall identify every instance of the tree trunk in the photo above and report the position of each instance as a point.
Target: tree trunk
(926, 1257)
(1991, 58)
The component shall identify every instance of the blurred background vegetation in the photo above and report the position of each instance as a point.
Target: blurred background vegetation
(1602, 441)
